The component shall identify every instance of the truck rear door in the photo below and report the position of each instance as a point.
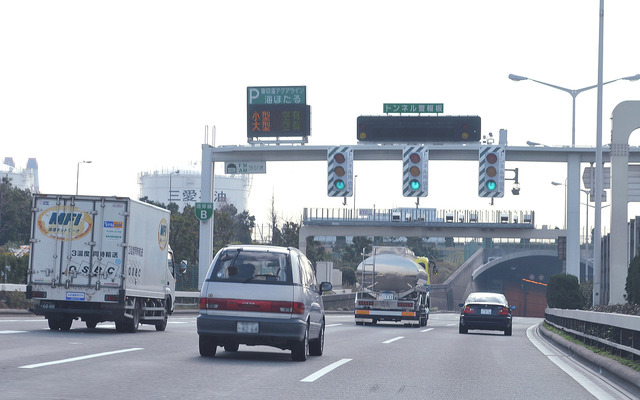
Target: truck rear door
(77, 241)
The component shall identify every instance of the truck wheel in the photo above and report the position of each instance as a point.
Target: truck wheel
(91, 323)
(65, 323)
(161, 326)
(300, 350)
(316, 346)
(207, 346)
(54, 324)
(132, 324)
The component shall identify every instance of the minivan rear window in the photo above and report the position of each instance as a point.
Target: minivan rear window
(245, 266)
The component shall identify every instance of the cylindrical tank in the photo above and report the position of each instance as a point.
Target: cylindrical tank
(393, 272)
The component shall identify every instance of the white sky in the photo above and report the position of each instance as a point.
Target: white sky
(130, 85)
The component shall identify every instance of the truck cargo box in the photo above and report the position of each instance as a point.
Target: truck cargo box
(100, 259)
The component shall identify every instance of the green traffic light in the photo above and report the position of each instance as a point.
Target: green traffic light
(339, 184)
(414, 184)
(491, 184)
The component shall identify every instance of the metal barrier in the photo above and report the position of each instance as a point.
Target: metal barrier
(617, 333)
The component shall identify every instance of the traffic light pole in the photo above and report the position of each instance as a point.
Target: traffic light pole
(572, 156)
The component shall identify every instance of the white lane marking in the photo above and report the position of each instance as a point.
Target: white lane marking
(563, 365)
(10, 332)
(452, 324)
(68, 360)
(333, 325)
(318, 374)
(426, 330)
(393, 340)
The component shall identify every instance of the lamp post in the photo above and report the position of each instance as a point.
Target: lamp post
(78, 173)
(565, 202)
(574, 93)
(355, 179)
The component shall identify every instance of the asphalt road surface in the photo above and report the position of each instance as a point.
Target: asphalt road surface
(372, 362)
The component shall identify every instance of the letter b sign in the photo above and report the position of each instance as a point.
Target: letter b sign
(203, 211)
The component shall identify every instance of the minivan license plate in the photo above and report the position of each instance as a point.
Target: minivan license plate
(247, 327)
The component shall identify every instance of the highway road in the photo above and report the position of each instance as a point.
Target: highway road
(371, 362)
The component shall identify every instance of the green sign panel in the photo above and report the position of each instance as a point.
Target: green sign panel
(415, 108)
(277, 95)
(204, 211)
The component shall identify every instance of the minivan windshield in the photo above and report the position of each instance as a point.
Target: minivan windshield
(237, 265)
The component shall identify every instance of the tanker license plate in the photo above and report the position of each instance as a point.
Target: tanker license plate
(248, 327)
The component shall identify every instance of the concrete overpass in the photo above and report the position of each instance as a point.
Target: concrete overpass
(423, 229)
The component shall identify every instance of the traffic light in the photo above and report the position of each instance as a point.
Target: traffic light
(340, 171)
(407, 129)
(414, 171)
(491, 171)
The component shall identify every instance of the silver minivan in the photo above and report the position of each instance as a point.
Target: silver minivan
(262, 295)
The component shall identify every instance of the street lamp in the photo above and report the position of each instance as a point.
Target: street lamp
(573, 93)
(565, 200)
(78, 173)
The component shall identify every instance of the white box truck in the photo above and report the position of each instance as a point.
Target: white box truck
(99, 259)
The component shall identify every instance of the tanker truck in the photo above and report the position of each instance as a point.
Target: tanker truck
(393, 286)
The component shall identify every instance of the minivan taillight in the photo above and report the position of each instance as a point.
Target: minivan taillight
(281, 307)
(287, 307)
(207, 303)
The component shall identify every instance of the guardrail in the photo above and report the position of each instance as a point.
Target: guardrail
(182, 297)
(617, 333)
(190, 299)
(185, 299)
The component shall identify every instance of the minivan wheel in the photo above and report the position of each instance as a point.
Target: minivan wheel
(207, 346)
(300, 350)
(232, 347)
(316, 346)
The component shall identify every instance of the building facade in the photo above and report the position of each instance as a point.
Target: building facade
(25, 179)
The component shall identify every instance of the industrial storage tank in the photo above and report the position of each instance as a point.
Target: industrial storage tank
(393, 272)
(183, 188)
